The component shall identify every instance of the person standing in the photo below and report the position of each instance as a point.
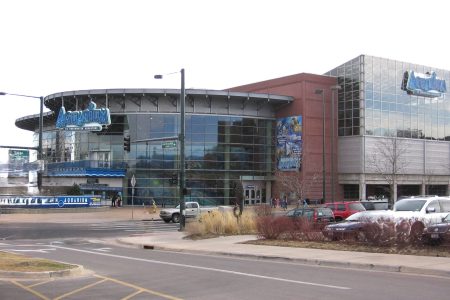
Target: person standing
(113, 200)
(284, 203)
(119, 199)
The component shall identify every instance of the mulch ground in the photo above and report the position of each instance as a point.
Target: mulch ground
(422, 250)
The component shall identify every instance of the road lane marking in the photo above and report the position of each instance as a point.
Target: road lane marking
(40, 283)
(81, 289)
(37, 294)
(140, 289)
(31, 250)
(103, 249)
(132, 295)
(208, 269)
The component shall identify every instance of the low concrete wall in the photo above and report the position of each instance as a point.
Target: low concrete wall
(52, 210)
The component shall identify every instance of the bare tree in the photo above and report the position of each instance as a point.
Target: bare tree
(294, 185)
(432, 176)
(388, 160)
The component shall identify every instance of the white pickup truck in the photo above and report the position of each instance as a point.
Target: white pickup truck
(193, 209)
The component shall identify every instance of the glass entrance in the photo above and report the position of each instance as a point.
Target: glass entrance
(252, 195)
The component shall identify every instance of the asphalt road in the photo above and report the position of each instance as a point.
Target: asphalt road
(37, 231)
(152, 274)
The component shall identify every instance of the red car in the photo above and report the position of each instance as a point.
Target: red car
(342, 210)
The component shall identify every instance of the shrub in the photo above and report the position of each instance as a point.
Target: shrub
(222, 223)
(263, 210)
(270, 227)
(74, 190)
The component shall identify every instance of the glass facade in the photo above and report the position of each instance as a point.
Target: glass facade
(371, 101)
(218, 149)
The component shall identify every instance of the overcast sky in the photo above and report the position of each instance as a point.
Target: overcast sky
(54, 46)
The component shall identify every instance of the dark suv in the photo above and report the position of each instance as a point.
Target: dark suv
(312, 214)
(342, 210)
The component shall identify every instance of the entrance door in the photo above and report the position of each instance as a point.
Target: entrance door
(252, 195)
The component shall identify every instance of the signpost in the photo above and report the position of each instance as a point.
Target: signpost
(133, 184)
(170, 144)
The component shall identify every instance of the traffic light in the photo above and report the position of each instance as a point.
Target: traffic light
(126, 143)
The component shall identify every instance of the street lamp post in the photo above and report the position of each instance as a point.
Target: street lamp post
(321, 92)
(181, 138)
(334, 88)
(41, 124)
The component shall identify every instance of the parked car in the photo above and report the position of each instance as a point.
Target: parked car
(342, 210)
(436, 233)
(312, 214)
(193, 209)
(423, 211)
(354, 226)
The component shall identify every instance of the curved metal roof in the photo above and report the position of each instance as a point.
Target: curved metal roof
(54, 101)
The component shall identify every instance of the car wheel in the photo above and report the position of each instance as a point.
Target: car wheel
(176, 218)
(360, 236)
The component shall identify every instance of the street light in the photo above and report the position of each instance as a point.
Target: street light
(321, 92)
(333, 88)
(41, 124)
(181, 137)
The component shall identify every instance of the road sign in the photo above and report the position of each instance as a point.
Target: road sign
(171, 144)
(133, 181)
(16, 156)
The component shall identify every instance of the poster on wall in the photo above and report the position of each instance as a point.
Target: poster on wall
(289, 143)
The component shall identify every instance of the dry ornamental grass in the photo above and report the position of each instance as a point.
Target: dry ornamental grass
(21, 263)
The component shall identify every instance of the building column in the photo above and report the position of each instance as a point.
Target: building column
(226, 184)
(268, 191)
(395, 191)
(423, 189)
(268, 161)
(362, 187)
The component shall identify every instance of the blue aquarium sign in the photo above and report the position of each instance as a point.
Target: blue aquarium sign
(90, 119)
(426, 85)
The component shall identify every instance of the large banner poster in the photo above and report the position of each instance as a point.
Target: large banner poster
(289, 143)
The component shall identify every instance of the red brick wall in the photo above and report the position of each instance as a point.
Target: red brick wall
(308, 104)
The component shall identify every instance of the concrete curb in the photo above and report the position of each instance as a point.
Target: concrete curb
(77, 271)
(306, 261)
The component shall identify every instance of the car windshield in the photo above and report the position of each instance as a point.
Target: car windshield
(290, 213)
(325, 212)
(409, 205)
(356, 206)
(354, 218)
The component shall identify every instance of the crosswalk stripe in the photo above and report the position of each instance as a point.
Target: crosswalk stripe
(135, 226)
